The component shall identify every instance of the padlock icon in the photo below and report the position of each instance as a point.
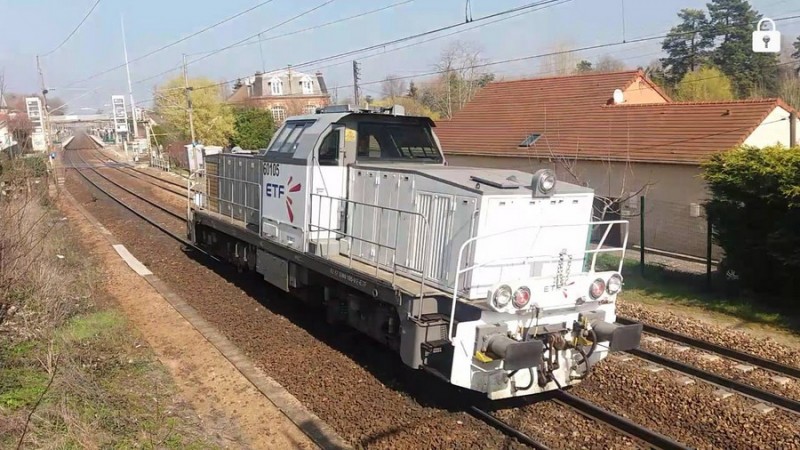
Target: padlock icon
(766, 41)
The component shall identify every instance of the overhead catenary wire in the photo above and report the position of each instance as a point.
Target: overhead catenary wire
(172, 44)
(555, 53)
(214, 52)
(414, 36)
(74, 30)
(434, 38)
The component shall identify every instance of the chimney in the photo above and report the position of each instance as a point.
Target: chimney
(792, 129)
(258, 85)
(321, 82)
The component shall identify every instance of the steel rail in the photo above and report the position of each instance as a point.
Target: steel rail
(141, 171)
(146, 180)
(715, 348)
(153, 183)
(507, 429)
(135, 194)
(742, 388)
(594, 412)
(143, 216)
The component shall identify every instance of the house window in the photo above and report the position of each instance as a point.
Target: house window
(276, 86)
(310, 109)
(307, 85)
(278, 114)
(530, 140)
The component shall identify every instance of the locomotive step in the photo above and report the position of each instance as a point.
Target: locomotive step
(434, 317)
(430, 346)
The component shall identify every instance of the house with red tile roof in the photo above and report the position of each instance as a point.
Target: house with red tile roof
(624, 144)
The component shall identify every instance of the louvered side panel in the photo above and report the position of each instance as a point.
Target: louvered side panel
(440, 236)
(434, 249)
(423, 206)
(212, 183)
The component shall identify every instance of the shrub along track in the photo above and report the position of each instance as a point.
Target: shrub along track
(371, 399)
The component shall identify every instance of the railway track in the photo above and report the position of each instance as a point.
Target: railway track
(743, 386)
(646, 436)
(727, 352)
(572, 402)
(84, 165)
(120, 166)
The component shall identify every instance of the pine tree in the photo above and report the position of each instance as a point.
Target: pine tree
(583, 66)
(686, 45)
(731, 23)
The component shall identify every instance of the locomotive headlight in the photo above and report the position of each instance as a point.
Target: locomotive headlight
(521, 297)
(614, 284)
(547, 182)
(597, 288)
(543, 182)
(501, 297)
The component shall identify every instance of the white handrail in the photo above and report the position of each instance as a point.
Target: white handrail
(594, 252)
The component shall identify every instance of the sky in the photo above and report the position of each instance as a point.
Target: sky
(74, 71)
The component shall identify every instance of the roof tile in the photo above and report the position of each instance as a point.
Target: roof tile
(576, 120)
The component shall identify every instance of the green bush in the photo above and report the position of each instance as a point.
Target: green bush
(755, 212)
(253, 128)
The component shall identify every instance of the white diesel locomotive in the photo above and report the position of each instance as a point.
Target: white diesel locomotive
(487, 278)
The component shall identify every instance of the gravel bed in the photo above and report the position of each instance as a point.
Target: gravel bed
(757, 377)
(739, 340)
(563, 425)
(147, 189)
(691, 413)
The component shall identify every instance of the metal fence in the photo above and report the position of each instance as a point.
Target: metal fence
(672, 235)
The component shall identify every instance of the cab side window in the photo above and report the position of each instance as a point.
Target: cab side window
(329, 149)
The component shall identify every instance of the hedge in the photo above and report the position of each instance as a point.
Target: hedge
(755, 213)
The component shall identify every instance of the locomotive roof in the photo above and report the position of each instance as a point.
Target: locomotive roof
(320, 125)
(480, 180)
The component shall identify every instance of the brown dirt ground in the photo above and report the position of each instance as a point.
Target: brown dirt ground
(227, 403)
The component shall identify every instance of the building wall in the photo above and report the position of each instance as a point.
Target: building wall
(773, 130)
(671, 190)
(641, 92)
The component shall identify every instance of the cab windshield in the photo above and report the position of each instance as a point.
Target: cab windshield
(400, 142)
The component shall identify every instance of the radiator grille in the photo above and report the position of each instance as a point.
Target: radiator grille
(438, 210)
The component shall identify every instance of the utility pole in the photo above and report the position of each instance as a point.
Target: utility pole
(356, 79)
(188, 91)
(45, 112)
(130, 87)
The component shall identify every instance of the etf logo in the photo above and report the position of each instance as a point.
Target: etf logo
(274, 190)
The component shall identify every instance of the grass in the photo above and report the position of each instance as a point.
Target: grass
(93, 325)
(664, 287)
(108, 389)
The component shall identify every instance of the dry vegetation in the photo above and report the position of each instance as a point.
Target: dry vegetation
(73, 374)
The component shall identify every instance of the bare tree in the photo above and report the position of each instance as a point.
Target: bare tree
(560, 61)
(608, 63)
(3, 89)
(461, 76)
(393, 87)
